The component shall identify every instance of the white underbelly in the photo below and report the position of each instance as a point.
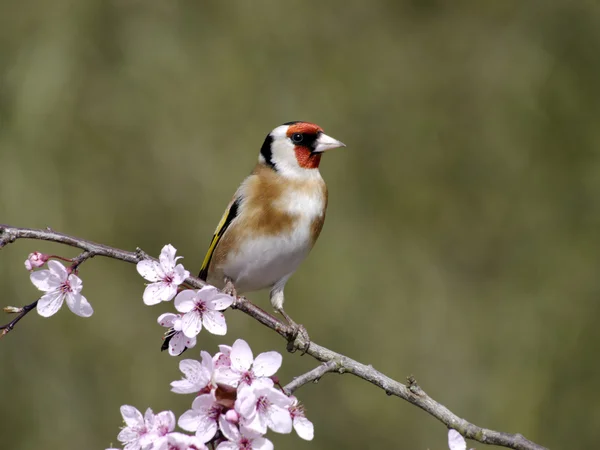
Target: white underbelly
(264, 260)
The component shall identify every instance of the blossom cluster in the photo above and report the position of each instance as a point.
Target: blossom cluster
(236, 403)
(196, 309)
(236, 398)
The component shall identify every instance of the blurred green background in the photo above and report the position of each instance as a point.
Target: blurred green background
(462, 240)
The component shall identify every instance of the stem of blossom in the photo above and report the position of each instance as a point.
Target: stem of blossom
(312, 376)
(411, 392)
(62, 258)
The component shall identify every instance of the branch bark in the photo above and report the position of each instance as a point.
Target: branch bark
(333, 361)
(312, 376)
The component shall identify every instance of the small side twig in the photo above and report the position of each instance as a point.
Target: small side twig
(312, 376)
(22, 312)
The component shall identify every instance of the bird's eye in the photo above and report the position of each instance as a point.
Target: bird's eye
(297, 138)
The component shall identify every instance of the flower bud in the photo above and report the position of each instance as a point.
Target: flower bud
(232, 416)
(35, 260)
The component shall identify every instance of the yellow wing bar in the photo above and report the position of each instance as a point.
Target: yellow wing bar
(230, 213)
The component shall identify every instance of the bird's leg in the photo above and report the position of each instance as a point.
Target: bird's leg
(229, 288)
(298, 330)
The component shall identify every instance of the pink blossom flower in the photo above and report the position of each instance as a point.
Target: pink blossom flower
(35, 260)
(198, 375)
(137, 434)
(203, 417)
(180, 441)
(241, 438)
(203, 307)
(59, 286)
(178, 342)
(302, 425)
(159, 427)
(247, 370)
(164, 275)
(262, 407)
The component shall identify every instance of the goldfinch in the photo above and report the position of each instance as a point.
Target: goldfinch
(275, 216)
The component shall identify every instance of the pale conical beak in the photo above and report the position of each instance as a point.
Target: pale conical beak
(325, 142)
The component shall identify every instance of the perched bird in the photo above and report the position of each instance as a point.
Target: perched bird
(275, 216)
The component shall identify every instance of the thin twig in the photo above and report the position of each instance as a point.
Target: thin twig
(411, 392)
(22, 313)
(312, 376)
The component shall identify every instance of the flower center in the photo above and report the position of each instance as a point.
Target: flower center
(296, 411)
(214, 412)
(245, 444)
(200, 307)
(247, 377)
(168, 278)
(262, 404)
(65, 287)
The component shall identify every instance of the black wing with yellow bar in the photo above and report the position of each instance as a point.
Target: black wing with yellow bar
(230, 214)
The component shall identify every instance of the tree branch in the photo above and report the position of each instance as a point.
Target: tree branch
(313, 376)
(411, 392)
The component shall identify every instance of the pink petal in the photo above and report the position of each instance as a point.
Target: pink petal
(262, 444)
(177, 344)
(241, 356)
(266, 364)
(50, 303)
(207, 428)
(189, 420)
(191, 324)
(229, 430)
(167, 319)
(167, 257)
(179, 274)
(164, 422)
(227, 445)
(131, 416)
(204, 402)
(190, 342)
(58, 270)
(220, 302)
(304, 428)
(158, 292)
(215, 323)
(127, 435)
(76, 283)
(207, 362)
(456, 441)
(257, 424)
(148, 416)
(186, 300)
(224, 375)
(245, 403)
(279, 420)
(149, 270)
(225, 349)
(44, 281)
(79, 305)
(276, 397)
